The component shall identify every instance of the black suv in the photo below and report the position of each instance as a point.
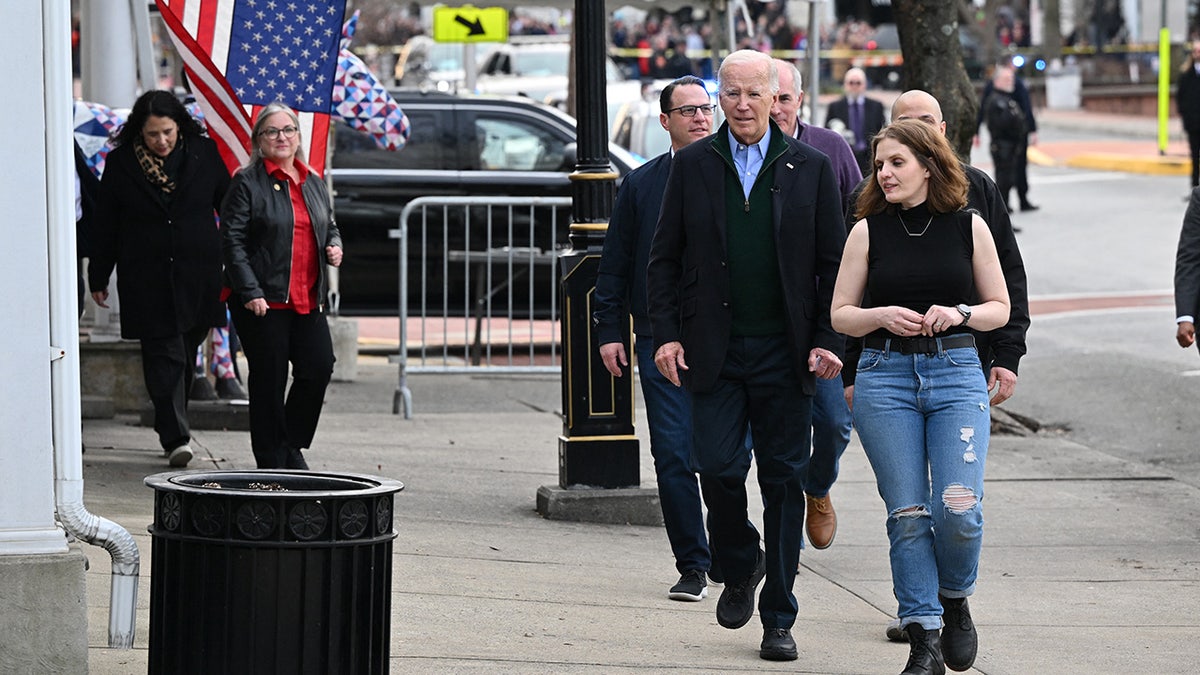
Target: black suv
(468, 145)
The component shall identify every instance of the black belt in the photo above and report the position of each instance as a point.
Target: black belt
(919, 345)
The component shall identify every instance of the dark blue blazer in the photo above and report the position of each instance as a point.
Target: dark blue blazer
(621, 282)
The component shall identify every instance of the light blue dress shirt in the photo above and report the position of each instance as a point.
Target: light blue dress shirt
(748, 160)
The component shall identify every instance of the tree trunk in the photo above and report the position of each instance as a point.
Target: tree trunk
(933, 62)
(1052, 38)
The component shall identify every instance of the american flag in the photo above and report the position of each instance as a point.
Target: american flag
(240, 55)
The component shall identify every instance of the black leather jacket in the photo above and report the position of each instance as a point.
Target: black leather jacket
(256, 227)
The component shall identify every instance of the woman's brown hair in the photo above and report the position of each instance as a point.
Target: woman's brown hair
(947, 180)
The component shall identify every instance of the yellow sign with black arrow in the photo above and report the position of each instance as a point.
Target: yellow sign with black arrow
(470, 24)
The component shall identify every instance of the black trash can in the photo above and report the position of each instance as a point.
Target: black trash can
(270, 572)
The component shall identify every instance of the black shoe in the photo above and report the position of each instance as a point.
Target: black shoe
(230, 388)
(960, 642)
(295, 460)
(736, 605)
(778, 645)
(691, 587)
(924, 652)
(1026, 206)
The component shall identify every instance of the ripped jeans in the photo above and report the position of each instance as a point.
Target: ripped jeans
(924, 422)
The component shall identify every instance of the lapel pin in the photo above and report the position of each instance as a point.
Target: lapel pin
(789, 165)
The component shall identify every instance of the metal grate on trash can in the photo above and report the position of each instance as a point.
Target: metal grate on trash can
(270, 572)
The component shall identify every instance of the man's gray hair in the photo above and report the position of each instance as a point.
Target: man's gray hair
(744, 56)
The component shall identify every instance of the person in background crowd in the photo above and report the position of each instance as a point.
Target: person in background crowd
(279, 236)
(830, 416)
(738, 287)
(858, 113)
(1013, 129)
(926, 436)
(1187, 99)
(687, 114)
(1187, 274)
(156, 224)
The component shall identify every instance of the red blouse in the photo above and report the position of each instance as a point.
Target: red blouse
(302, 287)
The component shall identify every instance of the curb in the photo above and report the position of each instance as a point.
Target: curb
(1158, 166)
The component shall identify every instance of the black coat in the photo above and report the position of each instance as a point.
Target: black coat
(688, 284)
(621, 281)
(1187, 99)
(167, 254)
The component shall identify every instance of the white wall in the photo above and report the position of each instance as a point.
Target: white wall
(26, 446)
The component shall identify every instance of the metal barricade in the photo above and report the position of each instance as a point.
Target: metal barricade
(487, 287)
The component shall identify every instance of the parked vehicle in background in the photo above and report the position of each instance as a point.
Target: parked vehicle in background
(636, 126)
(537, 67)
(435, 65)
(461, 145)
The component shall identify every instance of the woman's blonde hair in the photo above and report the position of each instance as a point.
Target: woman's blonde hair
(947, 181)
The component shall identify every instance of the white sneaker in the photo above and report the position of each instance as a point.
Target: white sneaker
(179, 457)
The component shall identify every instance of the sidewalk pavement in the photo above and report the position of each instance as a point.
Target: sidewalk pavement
(1089, 563)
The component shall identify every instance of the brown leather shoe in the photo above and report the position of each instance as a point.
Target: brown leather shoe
(820, 521)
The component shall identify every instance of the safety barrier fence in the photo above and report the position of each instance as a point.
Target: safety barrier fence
(478, 286)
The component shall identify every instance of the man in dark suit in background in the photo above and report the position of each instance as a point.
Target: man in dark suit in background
(1187, 99)
(687, 115)
(1187, 274)
(739, 288)
(860, 114)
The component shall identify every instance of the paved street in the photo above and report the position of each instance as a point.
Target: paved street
(1091, 561)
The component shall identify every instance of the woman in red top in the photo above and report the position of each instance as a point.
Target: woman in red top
(278, 235)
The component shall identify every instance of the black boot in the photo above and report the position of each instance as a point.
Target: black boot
(924, 652)
(960, 642)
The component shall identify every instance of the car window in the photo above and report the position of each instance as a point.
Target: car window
(426, 149)
(514, 145)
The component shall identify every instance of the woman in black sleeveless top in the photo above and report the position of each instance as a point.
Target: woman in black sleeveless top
(920, 400)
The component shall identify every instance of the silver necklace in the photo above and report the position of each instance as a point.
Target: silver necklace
(910, 232)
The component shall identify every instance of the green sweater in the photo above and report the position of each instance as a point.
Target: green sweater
(754, 280)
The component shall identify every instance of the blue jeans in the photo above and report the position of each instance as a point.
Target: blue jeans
(669, 415)
(831, 434)
(924, 422)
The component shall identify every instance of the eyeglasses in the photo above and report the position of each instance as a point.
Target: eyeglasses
(273, 133)
(691, 110)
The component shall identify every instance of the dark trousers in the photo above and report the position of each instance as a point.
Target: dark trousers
(1004, 163)
(669, 415)
(167, 371)
(1194, 147)
(758, 386)
(282, 419)
(1021, 173)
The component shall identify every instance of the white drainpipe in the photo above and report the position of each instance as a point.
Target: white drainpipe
(64, 336)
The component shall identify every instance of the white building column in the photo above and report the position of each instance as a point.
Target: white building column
(42, 588)
(108, 53)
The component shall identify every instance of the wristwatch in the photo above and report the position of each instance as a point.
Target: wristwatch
(965, 310)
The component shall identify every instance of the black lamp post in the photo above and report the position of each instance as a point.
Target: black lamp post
(598, 448)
